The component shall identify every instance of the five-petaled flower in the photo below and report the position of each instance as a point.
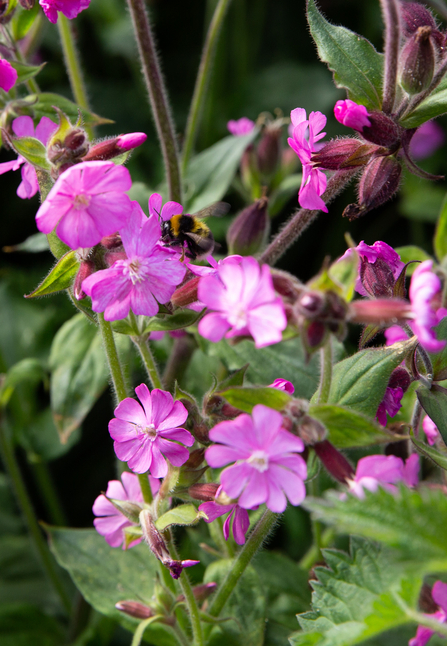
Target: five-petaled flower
(266, 468)
(145, 433)
(439, 595)
(237, 516)
(69, 8)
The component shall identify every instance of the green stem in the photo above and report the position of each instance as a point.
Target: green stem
(112, 358)
(326, 372)
(31, 83)
(138, 634)
(203, 76)
(49, 494)
(313, 555)
(253, 543)
(145, 488)
(148, 360)
(158, 97)
(26, 507)
(190, 599)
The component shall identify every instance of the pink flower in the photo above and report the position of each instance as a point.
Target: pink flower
(169, 208)
(380, 254)
(267, 467)
(200, 270)
(306, 134)
(423, 634)
(87, 202)
(352, 115)
(147, 277)
(394, 334)
(426, 140)
(390, 404)
(411, 470)
(110, 522)
(24, 127)
(430, 429)
(425, 285)
(70, 8)
(283, 384)
(244, 301)
(383, 470)
(8, 75)
(241, 127)
(238, 515)
(143, 433)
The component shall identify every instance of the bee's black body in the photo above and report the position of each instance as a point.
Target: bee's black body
(189, 231)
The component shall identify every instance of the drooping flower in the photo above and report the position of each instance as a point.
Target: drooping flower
(426, 140)
(379, 268)
(424, 287)
(241, 127)
(237, 516)
(87, 202)
(145, 433)
(109, 521)
(306, 134)
(69, 8)
(266, 468)
(430, 429)
(24, 127)
(352, 115)
(8, 75)
(244, 303)
(147, 277)
(385, 471)
(423, 634)
(283, 384)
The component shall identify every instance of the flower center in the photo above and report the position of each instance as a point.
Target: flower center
(135, 270)
(259, 460)
(81, 201)
(149, 430)
(238, 318)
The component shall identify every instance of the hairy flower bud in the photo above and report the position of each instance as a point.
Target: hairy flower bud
(335, 462)
(383, 131)
(186, 293)
(86, 268)
(200, 592)
(248, 231)
(377, 278)
(104, 150)
(379, 182)
(67, 146)
(286, 285)
(311, 430)
(415, 15)
(385, 311)
(400, 378)
(205, 491)
(417, 62)
(135, 609)
(348, 153)
(268, 152)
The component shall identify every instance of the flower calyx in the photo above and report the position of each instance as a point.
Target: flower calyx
(67, 146)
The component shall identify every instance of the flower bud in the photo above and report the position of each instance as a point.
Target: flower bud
(200, 592)
(311, 430)
(386, 311)
(377, 278)
(417, 62)
(415, 15)
(104, 150)
(135, 609)
(311, 304)
(249, 168)
(345, 153)
(186, 293)
(400, 379)
(27, 4)
(383, 131)
(111, 242)
(195, 459)
(248, 231)
(379, 182)
(286, 285)
(205, 491)
(335, 463)
(269, 150)
(86, 268)
(67, 146)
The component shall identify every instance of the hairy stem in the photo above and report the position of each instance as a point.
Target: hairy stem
(300, 220)
(158, 96)
(202, 81)
(190, 600)
(112, 358)
(182, 351)
(148, 360)
(253, 543)
(139, 632)
(326, 372)
(390, 12)
(416, 418)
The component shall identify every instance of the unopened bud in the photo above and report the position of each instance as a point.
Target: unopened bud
(135, 609)
(286, 285)
(130, 510)
(311, 430)
(111, 257)
(269, 150)
(314, 335)
(383, 131)
(200, 592)
(417, 62)
(400, 378)
(335, 463)
(86, 268)
(195, 459)
(249, 169)
(186, 293)
(248, 231)
(415, 15)
(67, 145)
(377, 278)
(379, 182)
(111, 242)
(311, 304)
(345, 154)
(205, 491)
(382, 311)
(110, 148)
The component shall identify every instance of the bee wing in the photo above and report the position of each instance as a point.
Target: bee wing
(206, 244)
(217, 209)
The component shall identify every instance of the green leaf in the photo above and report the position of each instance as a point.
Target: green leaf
(26, 72)
(181, 515)
(60, 277)
(22, 624)
(433, 106)
(34, 244)
(347, 428)
(42, 106)
(23, 20)
(40, 438)
(25, 371)
(236, 378)
(356, 65)
(106, 575)
(32, 150)
(359, 382)
(180, 319)
(244, 397)
(409, 253)
(438, 457)
(345, 273)
(434, 402)
(246, 605)
(412, 522)
(440, 240)
(211, 172)
(439, 360)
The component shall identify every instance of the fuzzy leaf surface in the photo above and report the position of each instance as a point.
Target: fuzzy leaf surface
(60, 277)
(32, 150)
(181, 515)
(433, 106)
(245, 397)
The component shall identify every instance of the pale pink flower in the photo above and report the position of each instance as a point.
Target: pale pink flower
(24, 127)
(70, 8)
(110, 522)
(244, 303)
(352, 115)
(439, 595)
(385, 471)
(87, 203)
(266, 466)
(425, 285)
(430, 429)
(394, 334)
(145, 433)
(380, 254)
(8, 75)
(283, 384)
(241, 127)
(236, 516)
(201, 270)
(306, 134)
(147, 277)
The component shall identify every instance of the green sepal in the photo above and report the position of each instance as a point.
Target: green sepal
(181, 515)
(182, 394)
(26, 72)
(43, 106)
(434, 402)
(369, 333)
(236, 378)
(177, 321)
(60, 277)
(245, 398)
(123, 327)
(32, 150)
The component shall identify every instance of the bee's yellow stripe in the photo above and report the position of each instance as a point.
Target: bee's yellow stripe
(175, 224)
(199, 227)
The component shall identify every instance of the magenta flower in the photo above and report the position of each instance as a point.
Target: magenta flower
(8, 75)
(86, 203)
(411, 470)
(24, 127)
(426, 140)
(200, 270)
(383, 470)
(283, 384)
(244, 301)
(430, 429)
(352, 115)
(169, 208)
(145, 434)
(306, 134)
(70, 8)
(238, 515)
(267, 467)
(241, 127)
(394, 334)
(110, 522)
(379, 253)
(439, 595)
(424, 287)
(391, 404)
(147, 277)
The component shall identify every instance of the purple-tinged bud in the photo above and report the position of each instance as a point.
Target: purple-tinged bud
(86, 269)
(311, 304)
(415, 15)
(135, 609)
(111, 242)
(268, 152)
(379, 182)
(286, 285)
(400, 378)
(315, 334)
(205, 491)
(186, 293)
(335, 463)
(200, 592)
(385, 311)
(383, 131)
(110, 148)
(195, 459)
(417, 62)
(67, 146)
(311, 431)
(377, 278)
(111, 257)
(249, 230)
(345, 154)
(352, 115)
(27, 4)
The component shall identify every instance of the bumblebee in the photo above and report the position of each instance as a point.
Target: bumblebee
(189, 232)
